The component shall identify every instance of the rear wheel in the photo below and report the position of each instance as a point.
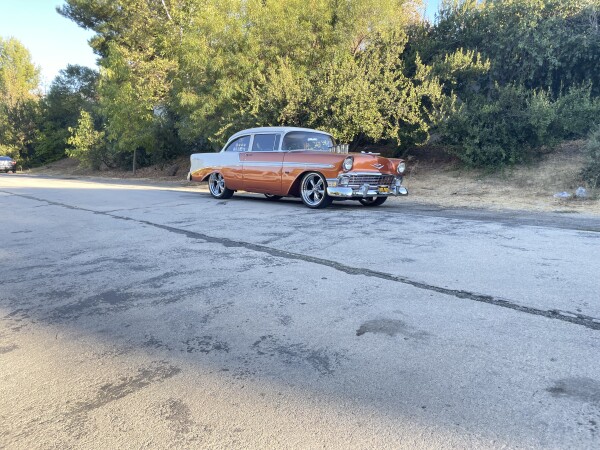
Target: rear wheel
(313, 191)
(373, 201)
(216, 185)
(273, 197)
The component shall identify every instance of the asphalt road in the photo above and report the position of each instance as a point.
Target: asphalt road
(146, 316)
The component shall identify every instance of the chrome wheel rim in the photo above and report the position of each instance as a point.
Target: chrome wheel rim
(313, 189)
(216, 184)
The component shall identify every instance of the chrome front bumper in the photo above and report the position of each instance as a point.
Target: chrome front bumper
(364, 191)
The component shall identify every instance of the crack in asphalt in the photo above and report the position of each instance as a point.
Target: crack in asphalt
(565, 316)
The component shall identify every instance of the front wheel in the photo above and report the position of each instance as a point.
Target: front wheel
(373, 201)
(216, 185)
(313, 191)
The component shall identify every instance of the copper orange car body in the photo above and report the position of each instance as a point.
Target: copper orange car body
(264, 160)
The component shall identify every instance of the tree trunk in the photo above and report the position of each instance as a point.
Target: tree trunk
(134, 159)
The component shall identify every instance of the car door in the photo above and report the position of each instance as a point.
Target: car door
(230, 160)
(262, 164)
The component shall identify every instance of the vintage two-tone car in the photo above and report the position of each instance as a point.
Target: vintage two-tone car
(299, 162)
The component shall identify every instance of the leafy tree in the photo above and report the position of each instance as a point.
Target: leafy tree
(333, 65)
(499, 78)
(88, 144)
(134, 41)
(198, 70)
(73, 90)
(520, 74)
(462, 72)
(19, 80)
(547, 44)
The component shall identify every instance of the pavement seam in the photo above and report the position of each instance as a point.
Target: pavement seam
(565, 316)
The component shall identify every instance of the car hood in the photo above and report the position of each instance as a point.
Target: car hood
(365, 162)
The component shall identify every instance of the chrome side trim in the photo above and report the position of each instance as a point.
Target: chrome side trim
(315, 165)
(286, 164)
(262, 164)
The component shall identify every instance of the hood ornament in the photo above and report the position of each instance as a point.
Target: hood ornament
(377, 166)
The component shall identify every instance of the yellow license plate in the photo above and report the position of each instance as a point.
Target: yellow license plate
(384, 189)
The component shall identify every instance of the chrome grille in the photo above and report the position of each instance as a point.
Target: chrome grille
(371, 180)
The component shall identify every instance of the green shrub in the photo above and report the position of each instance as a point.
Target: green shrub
(512, 124)
(577, 113)
(503, 130)
(88, 145)
(591, 172)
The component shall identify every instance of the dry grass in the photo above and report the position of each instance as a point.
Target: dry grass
(70, 167)
(434, 177)
(530, 187)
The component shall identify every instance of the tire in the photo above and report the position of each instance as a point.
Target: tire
(217, 188)
(313, 191)
(373, 201)
(273, 197)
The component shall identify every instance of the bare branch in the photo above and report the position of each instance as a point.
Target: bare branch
(166, 10)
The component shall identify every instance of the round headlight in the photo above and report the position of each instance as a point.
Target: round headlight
(401, 167)
(348, 163)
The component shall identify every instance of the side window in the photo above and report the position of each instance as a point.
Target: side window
(265, 143)
(241, 144)
(307, 140)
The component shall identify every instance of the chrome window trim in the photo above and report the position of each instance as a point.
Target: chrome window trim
(231, 141)
(266, 151)
(306, 130)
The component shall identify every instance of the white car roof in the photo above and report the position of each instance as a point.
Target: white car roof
(281, 130)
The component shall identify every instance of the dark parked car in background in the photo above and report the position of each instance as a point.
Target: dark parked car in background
(7, 164)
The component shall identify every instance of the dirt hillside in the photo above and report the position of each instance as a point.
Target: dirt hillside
(530, 187)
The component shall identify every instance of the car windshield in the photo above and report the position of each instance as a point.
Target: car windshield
(307, 140)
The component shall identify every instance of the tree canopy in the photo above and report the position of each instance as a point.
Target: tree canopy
(216, 66)
(493, 81)
(548, 44)
(19, 81)
(72, 91)
(524, 74)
